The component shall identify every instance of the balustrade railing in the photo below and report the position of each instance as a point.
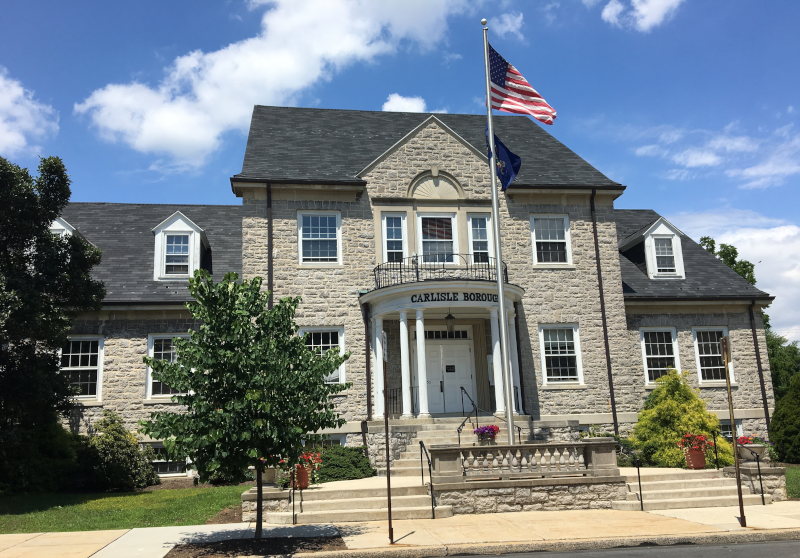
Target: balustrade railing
(394, 397)
(437, 267)
(499, 460)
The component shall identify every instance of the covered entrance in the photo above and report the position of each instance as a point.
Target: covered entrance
(450, 365)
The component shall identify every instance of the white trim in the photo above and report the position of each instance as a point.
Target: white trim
(663, 229)
(300, 215)
(490, 239)
(578, 356)
(340, 330)
(60, 227)
(100, 354)
(176, 225)
(404, 229)
(700, 380)
(453, 225)
(567, 239)
(151, 337)
(676, 353)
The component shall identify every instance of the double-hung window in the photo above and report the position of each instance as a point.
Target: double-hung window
(665, 257)
(82, 361)
(560, 350)
(479, 238)
(320, 237)
(659, 352)
(708, 353)
(162, 464)
(394, 239)
(161, 347)
(176, 254)
(323, 340)
(550, 239)
(437, 238)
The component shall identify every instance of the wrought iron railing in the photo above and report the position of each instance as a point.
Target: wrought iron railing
(422, 448)
(476, 410)
(437, 267)
(394, 400)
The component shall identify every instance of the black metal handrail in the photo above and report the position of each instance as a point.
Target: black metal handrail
(638, 464)
(437, 267)
(475, 409)
(758, 464)
(394, 399)
(430, 474)
(716, 433)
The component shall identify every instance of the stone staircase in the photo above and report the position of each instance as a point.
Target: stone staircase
(673, 489)
(359, 504)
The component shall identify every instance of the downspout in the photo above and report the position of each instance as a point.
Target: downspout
(603, 313)
(519, 357)
(269, 244)
(758, 363)
(365, 312)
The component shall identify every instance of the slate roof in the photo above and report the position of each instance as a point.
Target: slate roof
(123, 231)
(706, 276)
(309, 144)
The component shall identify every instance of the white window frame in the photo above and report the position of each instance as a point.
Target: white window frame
(176, 225)
(489, 237)
(300, 215)
(578, 355)
(151, 338)
(454, 226)
(702, 382)
(739, 426)
(187, 471)
(567, 239)
(340, 330)
(675, 350)
(61, 228)
(100, 355)
(404, 228)
(650, 256)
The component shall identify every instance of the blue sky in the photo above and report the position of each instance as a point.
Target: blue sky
(693, 105)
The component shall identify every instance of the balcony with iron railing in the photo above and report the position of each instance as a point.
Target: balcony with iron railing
(437, 267)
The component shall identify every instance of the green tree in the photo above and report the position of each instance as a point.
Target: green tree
(673, 409)
(253, 391)
(784, 429)
(729, 255)
(45, 284)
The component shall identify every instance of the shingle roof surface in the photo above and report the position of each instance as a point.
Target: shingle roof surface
(706, 276)
(123, 231)
(325, 144)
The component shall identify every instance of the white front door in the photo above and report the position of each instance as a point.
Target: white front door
(433, 368)
(458, 372)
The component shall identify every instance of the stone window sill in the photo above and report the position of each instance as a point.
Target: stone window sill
(716, 384)
(319, 266)
(87, 403)
(165, 401)
(554, 266)
(556, 387)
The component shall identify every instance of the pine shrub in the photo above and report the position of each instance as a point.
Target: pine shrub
(670, 411)
(344, 463)
(784, 430)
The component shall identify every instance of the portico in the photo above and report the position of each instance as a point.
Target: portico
(429, 358)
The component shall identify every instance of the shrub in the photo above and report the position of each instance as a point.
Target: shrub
(223, 478)
(113, 458)
(670, 411)
(784, 430)
(344, 463)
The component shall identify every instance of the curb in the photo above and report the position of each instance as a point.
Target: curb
(511, 547)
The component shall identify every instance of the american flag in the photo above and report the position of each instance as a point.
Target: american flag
(512, 93)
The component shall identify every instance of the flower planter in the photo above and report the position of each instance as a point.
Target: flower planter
(745, 455)
(301, 478)
(486, 441)
(695, 459)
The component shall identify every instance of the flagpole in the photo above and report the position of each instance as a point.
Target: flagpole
(508, 390)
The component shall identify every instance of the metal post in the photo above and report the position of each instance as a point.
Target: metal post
(388, 462)
(725, 356)
(641, 496)
(259, 500)
(716, 452)
(760, 482)
(505, 361)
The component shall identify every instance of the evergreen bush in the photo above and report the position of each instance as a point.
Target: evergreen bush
(673, 409)
(784, 430)
(344, 463)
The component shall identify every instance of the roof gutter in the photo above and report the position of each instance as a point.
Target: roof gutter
(517, 186)
(758, 362)
(327, 182)
(762, 301)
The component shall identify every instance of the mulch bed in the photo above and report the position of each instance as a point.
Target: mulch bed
(249, 547)
(228, 515)
(183, 482)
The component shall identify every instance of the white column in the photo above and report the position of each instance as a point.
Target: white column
(497, 368)
(405, 366)
(377, 375)
(513, 355)
(422, 372)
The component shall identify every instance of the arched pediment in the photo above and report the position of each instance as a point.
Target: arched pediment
(438, 187)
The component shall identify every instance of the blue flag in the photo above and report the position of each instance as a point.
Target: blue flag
(508, 164)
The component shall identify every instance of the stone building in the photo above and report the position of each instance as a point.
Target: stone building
(382, 223)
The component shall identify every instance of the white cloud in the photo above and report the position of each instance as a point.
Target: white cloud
(697, 158)
(783, 161)
(22, 118)
(591, 3)
(450, 57)
(790, 109)
(773, 245)
(642, 15)
(508, 24)
(204, 95)
(733, 144)
(678, 174)
(397, 103)
(650, 151)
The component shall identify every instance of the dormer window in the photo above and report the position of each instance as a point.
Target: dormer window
(665, 257)
(61, 228)
(656, 250)
(179, 245)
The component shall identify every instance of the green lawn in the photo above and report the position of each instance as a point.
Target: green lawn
(89, 512)
(793, 481)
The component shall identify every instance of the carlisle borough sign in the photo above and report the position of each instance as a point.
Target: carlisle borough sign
(453, 297)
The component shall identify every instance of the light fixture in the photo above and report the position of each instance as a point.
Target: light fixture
(450, 320)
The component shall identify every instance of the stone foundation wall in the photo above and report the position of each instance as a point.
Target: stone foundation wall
(250, 507)
(579, 496)
(563, 431)
(773, 478)
(398, 442)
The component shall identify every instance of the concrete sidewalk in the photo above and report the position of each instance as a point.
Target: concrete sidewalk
(490, 533)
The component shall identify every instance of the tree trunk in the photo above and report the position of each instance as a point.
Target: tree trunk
(259, 500)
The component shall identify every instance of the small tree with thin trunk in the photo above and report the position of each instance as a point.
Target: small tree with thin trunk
(252, 391)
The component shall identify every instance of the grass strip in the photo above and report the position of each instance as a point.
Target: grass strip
(793, 481)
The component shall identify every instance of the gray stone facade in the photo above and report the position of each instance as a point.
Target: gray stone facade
(772, 478)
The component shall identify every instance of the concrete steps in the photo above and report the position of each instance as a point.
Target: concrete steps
(684, 489)
(351, 515)
(372, 503)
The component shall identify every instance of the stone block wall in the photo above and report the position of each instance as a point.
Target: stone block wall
(280, 503)
(773, 479)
